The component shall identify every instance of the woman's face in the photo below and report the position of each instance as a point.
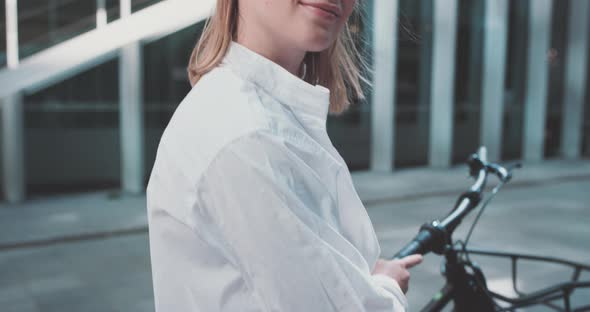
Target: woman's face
(308, 25)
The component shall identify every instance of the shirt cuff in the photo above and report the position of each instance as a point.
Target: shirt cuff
(391, 286)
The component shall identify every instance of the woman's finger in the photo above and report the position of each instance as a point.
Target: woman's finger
(411, 261)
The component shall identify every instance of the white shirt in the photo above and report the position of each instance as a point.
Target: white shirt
(250, 206)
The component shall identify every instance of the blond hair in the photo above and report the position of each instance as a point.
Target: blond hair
(336, 68)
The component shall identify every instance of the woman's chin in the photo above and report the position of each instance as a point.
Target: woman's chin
(318, 44)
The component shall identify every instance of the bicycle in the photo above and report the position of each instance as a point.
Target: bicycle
(465, 281)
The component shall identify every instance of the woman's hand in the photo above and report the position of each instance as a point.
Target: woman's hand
(398, 269)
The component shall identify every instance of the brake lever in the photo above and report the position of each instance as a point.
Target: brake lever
(503, 173)
(509, 170)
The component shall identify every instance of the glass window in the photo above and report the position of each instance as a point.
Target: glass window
(113, 10)
(72, 133)
(44, 23)
(556, 62)
(516, 79)
(468, 77)
(88, 100)
(516, 68)
(413, 83)
(350, 131)
(137, 5)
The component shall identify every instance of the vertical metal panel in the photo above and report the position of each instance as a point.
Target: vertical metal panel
(537, 79)
(125, 6)
(131, 118)
(494, 69)
(383, 100)
(101, 13)
(131, 112)
(443, 78)
(12, 58)
(13, 160)
(575, 78)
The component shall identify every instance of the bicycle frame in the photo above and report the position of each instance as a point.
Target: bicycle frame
(466, 289)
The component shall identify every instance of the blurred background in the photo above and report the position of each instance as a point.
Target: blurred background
(88, 86)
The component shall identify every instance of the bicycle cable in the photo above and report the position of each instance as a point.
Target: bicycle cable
(487, 200)
(467, 259)
(481, 210)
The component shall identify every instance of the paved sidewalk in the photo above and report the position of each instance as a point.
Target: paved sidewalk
(408, 184)
(43, 221)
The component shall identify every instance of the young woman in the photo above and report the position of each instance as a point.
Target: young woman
(250, 206)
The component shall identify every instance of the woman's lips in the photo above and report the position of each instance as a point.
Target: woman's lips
(320, 12)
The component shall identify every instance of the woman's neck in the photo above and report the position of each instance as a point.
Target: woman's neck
(279, 52)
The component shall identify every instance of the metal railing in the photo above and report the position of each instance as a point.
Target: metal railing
(45, 27)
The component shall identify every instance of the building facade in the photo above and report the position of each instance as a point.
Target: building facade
(449, 75)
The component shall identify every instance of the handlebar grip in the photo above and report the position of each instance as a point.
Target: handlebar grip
(412, 248)
(419, 245)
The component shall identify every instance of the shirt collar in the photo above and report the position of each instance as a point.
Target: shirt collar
(278, 82)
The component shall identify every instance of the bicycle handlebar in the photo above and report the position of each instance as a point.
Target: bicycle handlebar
(435, 236)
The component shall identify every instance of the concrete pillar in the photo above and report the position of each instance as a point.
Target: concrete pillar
(575, 79)
(125, 7)
(13, 163)
(383, 100)
(101, 13)
(12, 58)
(13, 158)
(494, 70)
(131, 118)
(442, 86)
(131, 113)
(537, 79)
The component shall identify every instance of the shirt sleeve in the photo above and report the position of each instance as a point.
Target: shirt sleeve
(264, 199)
